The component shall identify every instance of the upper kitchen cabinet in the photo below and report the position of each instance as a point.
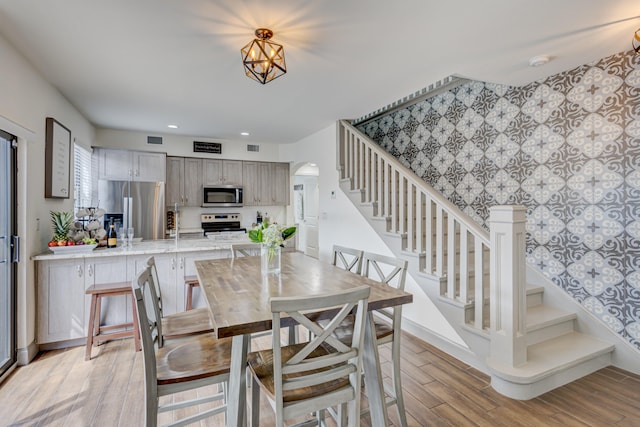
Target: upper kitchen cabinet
(184, 181)
(280, 189)
(266, 184)
(218, 172)
(125, 165)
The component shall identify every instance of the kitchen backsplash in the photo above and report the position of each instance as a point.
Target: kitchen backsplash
(190, 216)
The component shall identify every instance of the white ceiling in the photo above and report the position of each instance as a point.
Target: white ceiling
(144, 64)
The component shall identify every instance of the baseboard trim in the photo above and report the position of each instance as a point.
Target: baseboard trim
(461, 353)
(26, 354)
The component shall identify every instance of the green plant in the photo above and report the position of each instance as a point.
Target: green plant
(272, 235)
(61, 222)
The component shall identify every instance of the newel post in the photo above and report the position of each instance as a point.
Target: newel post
(508, 286)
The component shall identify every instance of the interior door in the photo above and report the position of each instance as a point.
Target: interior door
(8, 251)
(310, 222)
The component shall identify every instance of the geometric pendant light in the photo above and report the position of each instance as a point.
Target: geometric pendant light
(263, 59)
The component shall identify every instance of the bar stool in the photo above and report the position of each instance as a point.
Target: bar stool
(190, 282)
(97, 332)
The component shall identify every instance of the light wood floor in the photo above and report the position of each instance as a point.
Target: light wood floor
(60, 389)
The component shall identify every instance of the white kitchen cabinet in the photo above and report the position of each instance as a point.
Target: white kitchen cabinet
(184, 181)
(61, 307)
(222, 172)
(125, 165)
(113, 310)
(166, 265)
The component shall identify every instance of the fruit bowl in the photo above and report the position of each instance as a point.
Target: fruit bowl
(76, 249)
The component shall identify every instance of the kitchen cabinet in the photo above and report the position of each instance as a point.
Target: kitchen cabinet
(280, 185)
(63, 307)
(114, 310)
(167, 267)
(266, 184)
(222, 172)
(125, 165)
(184, 181)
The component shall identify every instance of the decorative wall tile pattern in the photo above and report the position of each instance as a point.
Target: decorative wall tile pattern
(568, 148)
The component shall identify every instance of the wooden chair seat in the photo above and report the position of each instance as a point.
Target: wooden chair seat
(193, 358)
(187, 323)
(344, 331)
(178, 365)
(261, 366)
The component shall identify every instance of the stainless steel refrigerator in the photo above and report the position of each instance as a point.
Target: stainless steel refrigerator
(140, 203)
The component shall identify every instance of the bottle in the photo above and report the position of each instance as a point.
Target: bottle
(112, 239)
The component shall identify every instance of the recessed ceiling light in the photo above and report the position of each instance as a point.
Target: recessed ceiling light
(172, 126)
(245, 133)
(539, 60)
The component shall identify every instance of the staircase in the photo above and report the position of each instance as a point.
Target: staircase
(477, 279)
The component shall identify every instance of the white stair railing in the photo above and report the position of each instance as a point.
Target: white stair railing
(452, 244)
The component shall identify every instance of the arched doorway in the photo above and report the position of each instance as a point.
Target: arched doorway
(305, 207)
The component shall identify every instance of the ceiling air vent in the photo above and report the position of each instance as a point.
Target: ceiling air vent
(154, 140)
(252, 147)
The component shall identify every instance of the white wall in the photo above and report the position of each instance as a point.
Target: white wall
(26, 101)
(341, 223)
(180, 145)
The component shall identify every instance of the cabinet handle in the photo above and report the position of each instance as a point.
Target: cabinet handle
(79, 270)
(90, 271)
(173, 263)
(181, 263)
(137, 172)
(186, 199)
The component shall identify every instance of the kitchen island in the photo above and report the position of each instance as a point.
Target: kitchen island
(62, 279)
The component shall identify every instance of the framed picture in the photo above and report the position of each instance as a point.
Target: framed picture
(57, 159)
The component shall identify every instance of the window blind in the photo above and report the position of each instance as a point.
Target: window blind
(81, 176)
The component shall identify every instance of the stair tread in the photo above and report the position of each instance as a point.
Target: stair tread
(551, 356)
(534, 289)
(540, 316)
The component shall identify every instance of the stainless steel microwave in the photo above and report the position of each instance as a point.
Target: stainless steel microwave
(221, 196)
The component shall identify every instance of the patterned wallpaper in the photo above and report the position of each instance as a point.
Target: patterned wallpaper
(568, 148)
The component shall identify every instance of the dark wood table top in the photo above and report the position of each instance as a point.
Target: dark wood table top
(238, 295)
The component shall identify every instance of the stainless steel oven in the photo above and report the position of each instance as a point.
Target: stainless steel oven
(221, 196)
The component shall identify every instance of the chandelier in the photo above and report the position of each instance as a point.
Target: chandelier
(263, 59)
(635, 42)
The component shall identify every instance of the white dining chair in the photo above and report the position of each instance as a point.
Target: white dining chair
(245, 249)
(387, 322)
(309, 377)
(178, 365)
(181, 324)
(348, 258)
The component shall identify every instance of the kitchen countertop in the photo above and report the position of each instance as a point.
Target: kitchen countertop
(150, 247)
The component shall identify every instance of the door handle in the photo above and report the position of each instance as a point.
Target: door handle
(15, 249)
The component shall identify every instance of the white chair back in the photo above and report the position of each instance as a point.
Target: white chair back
(324, 358)
(348, 258)
(245, 249)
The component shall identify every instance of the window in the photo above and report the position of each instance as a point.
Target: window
(81, 176)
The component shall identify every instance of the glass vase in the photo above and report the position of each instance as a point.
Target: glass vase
(270, 259)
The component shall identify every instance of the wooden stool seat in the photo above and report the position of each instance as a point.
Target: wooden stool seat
(190, 282)
(97, 332)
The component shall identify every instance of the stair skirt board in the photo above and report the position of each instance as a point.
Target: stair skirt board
(551, 363)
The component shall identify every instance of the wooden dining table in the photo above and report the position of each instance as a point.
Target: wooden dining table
(238, 296)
